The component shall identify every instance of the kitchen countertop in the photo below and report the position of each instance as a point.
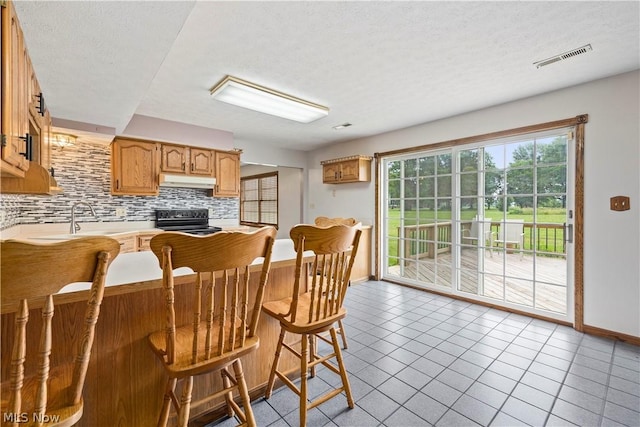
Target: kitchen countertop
(140, 267)
(31, 231)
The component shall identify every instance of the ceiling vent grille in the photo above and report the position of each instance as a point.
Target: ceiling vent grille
(563, 56)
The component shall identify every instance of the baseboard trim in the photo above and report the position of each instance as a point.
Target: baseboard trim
(619, 336)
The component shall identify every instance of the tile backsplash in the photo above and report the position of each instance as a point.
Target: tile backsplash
(83, 171)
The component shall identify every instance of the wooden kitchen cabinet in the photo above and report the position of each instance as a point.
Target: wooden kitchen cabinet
(181, 159)
(346, 169)
(25, 162)
(135, 167)
(144, 241)
(202, 161)
(227, 174)
(174, 158)
(361, 271)
(128, 243)
(15, 121)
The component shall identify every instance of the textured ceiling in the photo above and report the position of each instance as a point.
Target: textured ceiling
(378, 65)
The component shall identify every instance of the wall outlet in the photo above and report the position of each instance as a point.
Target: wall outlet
(210, 212)
(121, 211)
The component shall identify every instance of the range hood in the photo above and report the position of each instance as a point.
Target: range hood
(188, 181)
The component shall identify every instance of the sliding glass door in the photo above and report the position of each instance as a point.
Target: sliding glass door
(490, 221)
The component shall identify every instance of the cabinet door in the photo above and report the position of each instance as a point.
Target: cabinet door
(127, 244)
(174, 158)
(330, 172)
(144, 241)
(201, 162)
(135, 167)
(227, 174)
(14, 93)
(350, 170)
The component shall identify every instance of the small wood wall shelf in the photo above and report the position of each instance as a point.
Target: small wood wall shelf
(346, 169)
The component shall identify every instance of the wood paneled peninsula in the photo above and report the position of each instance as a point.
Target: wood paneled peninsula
(125, 381)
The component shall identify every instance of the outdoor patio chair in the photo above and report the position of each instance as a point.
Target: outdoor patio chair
(511, 232)
(480, 231)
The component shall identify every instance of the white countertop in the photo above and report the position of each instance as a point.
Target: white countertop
(136, 267)
(61, 229)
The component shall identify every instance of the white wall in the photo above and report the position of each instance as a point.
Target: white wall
(612, 167)
(290, 191)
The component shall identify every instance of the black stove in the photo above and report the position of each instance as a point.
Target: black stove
(192, 221)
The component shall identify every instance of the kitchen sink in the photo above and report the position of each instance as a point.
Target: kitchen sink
(67, 236)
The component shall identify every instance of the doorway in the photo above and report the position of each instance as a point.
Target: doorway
(490, 220)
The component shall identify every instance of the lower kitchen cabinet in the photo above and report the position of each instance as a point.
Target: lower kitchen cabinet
(128, 243)
(144, 241)
(361, 270)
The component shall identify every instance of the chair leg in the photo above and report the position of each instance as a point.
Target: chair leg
(185, 402)
(313, 342)
(226, 383)
(244, 393)
(343, 371)
(343, 334)
(166, 403)
(304, 363)
(274, 367)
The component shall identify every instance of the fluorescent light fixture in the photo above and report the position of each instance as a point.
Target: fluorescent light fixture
(259, 98)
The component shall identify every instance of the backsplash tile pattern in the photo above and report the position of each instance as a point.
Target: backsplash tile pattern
(84, 173)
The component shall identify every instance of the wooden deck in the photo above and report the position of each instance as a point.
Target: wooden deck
(509, 277)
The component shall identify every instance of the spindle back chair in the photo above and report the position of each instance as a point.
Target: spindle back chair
(315, 307)
(30, 275)
(223, 315)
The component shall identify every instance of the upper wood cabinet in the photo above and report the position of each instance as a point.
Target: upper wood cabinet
(135, 167)
(25, 124)
(180, 159)
(346, 169)
(202, 162)
(15, 121)
(174, 158)
(227, 174)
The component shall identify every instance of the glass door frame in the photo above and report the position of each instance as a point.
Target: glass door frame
(576, 156)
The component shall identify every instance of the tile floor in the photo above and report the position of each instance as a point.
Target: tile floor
(419, 359)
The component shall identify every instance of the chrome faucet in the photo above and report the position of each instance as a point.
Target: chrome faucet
(74, 225)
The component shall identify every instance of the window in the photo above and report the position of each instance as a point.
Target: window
(259, 199)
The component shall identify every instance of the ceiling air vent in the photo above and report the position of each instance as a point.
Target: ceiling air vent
(342, 126)
(563, 56)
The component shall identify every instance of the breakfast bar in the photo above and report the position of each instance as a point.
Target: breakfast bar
(125, 380)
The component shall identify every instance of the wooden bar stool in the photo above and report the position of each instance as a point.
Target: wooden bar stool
(42, 385)
(223, 317)
(323, 221)
(314, 312)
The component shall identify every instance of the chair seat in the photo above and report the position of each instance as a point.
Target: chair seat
(58, 403)
(183, 365)
(278, 309)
